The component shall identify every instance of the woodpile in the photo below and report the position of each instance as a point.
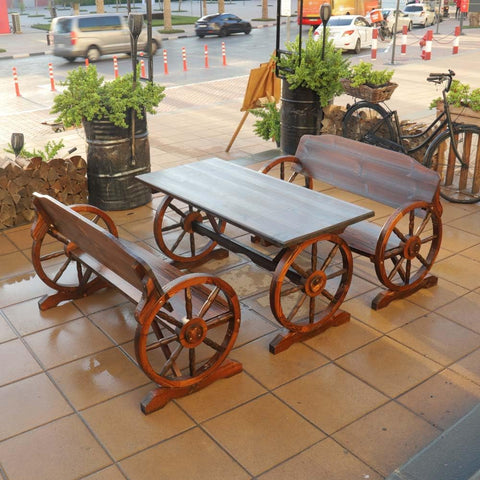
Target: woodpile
(63, 179)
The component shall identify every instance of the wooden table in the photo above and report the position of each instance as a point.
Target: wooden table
(311, 265)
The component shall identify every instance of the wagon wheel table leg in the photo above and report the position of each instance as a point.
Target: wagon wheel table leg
(308, 287)
(176, 238)
(406, 250)
(56, 267)
(183, 340)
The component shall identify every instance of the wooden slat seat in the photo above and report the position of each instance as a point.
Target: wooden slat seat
(175, 311)
(405, 247)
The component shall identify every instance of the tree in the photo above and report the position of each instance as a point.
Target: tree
(204, 7)
(167, 15)
(221, 6)
(264, 9)
(100, 6)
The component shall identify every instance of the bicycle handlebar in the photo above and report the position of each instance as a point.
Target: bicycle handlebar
(441, 77)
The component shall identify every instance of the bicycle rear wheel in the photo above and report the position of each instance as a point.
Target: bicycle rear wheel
(460, 180)
(369, 123)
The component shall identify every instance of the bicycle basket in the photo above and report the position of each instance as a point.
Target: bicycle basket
(372, 94)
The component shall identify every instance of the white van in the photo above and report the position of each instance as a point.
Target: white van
(90, 36)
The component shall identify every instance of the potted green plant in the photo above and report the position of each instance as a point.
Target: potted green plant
(464, 103)
(267, 126)
(114, 155)
(364, 82)
(311, 79)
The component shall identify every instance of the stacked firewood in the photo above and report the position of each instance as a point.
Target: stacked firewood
(63, 179)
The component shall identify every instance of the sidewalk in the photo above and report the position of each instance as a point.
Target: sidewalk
(356, 402)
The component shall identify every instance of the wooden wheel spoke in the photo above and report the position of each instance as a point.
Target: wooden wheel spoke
(314, 258)
(218, 320)
(411, 222)
(408, 270)
(49, 256)
(301, 271)
(293, 289)
(399, 234)
(342, 271)
(162, 342)
(177, 210)
(208, 303)
(397, 267)
(168, 320)
(297, 307)
(174, 226)
(292, 177)
(177, 242)
(192, 362)
(192, 244)
(330, 257)
(214, 223)
(422, 260)
(424, 223)
(328, 295)
(394, 252)
(212, 344)
(170, 363)
(96, 218)
(429, 239)
(188, 302)
(61, 270)
(311, 310)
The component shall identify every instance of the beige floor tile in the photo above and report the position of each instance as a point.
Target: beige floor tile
(325, 460)
(469, 223)
(14, 264)
(263, 433)
(461, 270)
(433, 298)
(16, 362)
(20, 236)
(23, 288)
(338, 341)
(109, 473)
(29, 403)
(464, 310)
(330, 397)
(456, 240)
(97, 377)
(473, 253)
(220, 396)
(247, 280)
(117, 322)
(192, 455)
(28, 318)
(253, 326)
(121, 217)
(100, 301)
(6, 246)
(61, 450)
(437, 338)
(398, 313)
(469, 366)
(6, 333)
(67, 342)
(141, 229)
(124, 430)
(443, 399)
(389, 366)
(274, 370)
(386, 438)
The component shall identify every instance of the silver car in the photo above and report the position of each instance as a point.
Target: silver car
(90, 36)
(420, 14)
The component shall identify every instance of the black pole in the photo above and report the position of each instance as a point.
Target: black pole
(149, 40)
(325, 14)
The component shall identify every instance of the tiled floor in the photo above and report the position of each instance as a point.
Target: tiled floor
(355, 402)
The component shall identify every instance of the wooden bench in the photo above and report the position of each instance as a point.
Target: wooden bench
(187, 324)
(403, 247)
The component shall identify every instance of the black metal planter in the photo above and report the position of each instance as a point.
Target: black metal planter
(111, 170)
(301, 114)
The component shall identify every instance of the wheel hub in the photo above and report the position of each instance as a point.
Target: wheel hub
(315, 283)
(189, 219)
(412, 247)
(193, 333)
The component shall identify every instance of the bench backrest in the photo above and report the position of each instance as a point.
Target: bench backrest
(388, 177)
(95, 241)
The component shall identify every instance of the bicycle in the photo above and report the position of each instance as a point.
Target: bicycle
(452, 149)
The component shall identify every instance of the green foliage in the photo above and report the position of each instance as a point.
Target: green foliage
(88, 96)
(363, 74)
(51, 149)
(310, 71)
(460, 95)
(268, 125)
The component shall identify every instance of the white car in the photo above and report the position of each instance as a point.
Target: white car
(348, 32)
(420, 14)
(389, 16)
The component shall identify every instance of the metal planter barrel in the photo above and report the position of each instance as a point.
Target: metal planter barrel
(301, 114)
(111, 169)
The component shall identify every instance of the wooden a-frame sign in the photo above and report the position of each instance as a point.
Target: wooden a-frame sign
(262, 84)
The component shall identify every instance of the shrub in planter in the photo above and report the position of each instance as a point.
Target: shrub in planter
(267, 126)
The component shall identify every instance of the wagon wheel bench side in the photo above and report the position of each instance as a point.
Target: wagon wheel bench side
(404, 249)
(187, 324)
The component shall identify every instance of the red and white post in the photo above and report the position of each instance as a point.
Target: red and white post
(224, 55)
(50, 74)
(15, 81)
(206, 56)
(374, 43)
(456, 40)
(428, 45)
(184, 59)
(115, 66)
(403, 49)
(165, 62)
(86, 62)
(143, 74)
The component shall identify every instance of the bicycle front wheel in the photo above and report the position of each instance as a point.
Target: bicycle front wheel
(369, 123)
(460, 177)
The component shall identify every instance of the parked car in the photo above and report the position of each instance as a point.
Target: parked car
(221, 24)
(90, 36)
(421, 14)
(348, 32)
